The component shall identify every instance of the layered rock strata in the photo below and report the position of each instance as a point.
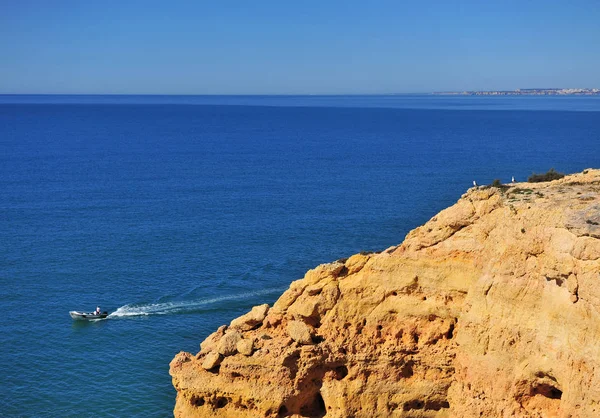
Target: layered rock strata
(490, 309)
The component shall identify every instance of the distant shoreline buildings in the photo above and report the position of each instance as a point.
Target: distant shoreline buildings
(525, 92)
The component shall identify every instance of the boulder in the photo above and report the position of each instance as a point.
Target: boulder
(245, 347)
(252, 319)
(228, 343)
(211, 342)
(300, 332)
(355, 263)
(212, 360)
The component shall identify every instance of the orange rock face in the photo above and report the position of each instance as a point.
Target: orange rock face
(490, 309)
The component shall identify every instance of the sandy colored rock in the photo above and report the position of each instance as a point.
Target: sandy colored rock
(252, 319)
(212, 360)
(180, 358)
(228, 343)
(355, 263)
(245, 347)
(212, 341)
(299, 332)
(490, 309)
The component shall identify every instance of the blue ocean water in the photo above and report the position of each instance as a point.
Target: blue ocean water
(178, 214)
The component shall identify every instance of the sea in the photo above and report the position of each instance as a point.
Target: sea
(177, 214)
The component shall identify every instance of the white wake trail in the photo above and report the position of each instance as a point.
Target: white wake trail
(165, 308)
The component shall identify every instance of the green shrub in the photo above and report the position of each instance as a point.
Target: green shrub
(518, 190)
(549, 176)
(498, 185)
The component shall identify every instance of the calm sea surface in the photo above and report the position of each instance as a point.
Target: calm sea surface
(178, 214)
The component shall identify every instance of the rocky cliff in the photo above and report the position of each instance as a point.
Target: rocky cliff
(490, 309)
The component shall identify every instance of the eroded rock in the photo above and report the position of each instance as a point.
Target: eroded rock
(252, 319)
(212, 360)
(228, 343)
(300, 332)
(472, 315)
(212, 341)
(245, 347)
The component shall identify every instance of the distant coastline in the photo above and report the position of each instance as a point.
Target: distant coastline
(524, 92)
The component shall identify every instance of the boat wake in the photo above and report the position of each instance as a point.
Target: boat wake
(187, 306)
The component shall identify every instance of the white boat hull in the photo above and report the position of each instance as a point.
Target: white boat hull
(87, 316)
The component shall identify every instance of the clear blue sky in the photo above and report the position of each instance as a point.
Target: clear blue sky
(296, 47)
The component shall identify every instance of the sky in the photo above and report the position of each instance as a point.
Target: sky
(296, 47)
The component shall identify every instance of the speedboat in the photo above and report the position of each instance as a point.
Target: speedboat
(87, 316)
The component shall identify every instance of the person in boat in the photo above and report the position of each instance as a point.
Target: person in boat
(97, 311)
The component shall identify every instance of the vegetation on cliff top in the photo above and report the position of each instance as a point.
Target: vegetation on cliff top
(548, 176)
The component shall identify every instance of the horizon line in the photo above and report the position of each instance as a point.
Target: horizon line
(215, 94)
(435, 92)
